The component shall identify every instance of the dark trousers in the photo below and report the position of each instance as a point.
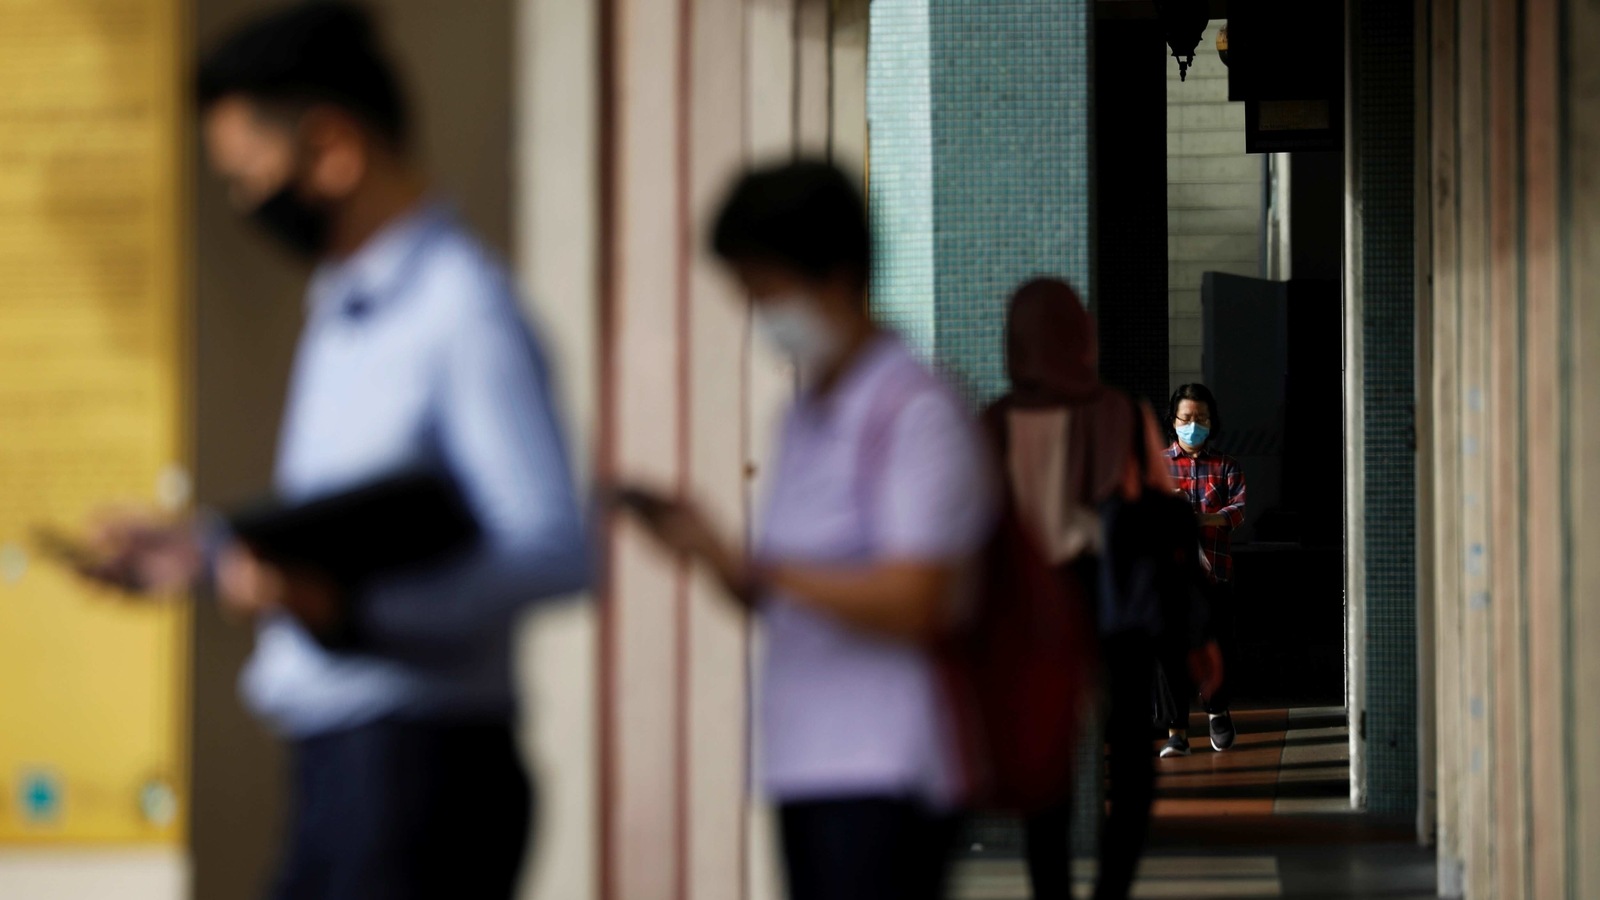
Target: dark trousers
(1176, 688)
(866, 848)
(1130, 664)
(403, 810)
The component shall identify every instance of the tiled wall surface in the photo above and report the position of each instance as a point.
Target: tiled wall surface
(900, 185)
(1384, 135)
(980, 166)
(1011, 165)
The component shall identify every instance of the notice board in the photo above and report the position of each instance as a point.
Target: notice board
(92, 310)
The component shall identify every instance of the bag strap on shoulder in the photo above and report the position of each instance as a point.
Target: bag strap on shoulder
(889, 399)
(1140, 452)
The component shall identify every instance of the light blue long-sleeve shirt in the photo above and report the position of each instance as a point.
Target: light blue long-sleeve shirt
(415, 353)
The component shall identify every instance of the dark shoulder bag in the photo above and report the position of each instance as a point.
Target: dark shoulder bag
(1151, 555)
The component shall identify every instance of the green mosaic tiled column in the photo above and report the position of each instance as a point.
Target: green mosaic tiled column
(979, 117)
(1385, 135)
(980, 149)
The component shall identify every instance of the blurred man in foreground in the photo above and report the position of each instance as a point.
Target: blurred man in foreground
(879, 507)
(407, 779)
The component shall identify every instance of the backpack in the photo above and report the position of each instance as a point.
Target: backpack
(1149, 563)
(1017, 673)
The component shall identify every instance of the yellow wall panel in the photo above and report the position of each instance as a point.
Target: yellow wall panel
(92, 690)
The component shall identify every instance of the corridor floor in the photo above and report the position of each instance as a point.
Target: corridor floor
(1270, 818)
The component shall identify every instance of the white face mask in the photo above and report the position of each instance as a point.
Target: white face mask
(792, 326)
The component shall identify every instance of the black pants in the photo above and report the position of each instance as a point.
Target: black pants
(1176, 689)
(866, 848)
(401, 810)
(1130, 665)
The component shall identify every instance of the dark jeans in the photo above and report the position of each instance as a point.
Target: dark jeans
(403, 810)
(1130, 663)
(1176, 688)
(866, 848)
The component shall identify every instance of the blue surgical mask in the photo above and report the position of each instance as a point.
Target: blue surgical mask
(1193, 434)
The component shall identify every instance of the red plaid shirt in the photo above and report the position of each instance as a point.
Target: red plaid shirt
(1214, 484)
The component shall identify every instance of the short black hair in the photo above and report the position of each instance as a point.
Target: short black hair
(805, 215)
(1199, 393)
(306, 54)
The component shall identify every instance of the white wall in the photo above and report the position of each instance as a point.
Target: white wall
(1214, 198)
(555, 175)
(93, 875)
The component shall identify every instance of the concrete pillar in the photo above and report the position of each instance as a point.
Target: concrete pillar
(555, 244)
(1550, 783)
(1580, 439)
(1474, 597)
(673, 680)
(1504, 447)
(1513, 243)
(690, 93)
(1444, 562)
(1381, 346)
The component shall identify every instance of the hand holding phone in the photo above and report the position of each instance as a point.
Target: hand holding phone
(679, 526)
(56, 545)
(80, 557)
(131, 551)
(676, 524)
(647, 505)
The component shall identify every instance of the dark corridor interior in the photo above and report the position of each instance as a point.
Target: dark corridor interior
(1272, 354)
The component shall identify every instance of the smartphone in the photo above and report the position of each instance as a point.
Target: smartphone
(641, 502)
(68, 551)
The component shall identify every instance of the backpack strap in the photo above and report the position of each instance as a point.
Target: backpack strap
(1141, 456)
(888, 400)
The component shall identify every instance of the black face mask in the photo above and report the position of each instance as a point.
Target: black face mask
(293, 222)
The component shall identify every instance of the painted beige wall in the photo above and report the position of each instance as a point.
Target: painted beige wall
(556, 177)
(677, 727)
(1514, 243)
(771, 129)
(1583, 447)
(762, 79)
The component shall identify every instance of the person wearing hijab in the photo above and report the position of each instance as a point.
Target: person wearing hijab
(1066, 442)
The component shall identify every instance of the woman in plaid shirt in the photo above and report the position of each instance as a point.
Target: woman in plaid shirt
(1214, 486)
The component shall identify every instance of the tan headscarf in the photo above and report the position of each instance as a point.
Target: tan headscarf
(1069, 437)
(1052, 349)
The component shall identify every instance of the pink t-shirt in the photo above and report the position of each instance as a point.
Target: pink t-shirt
(845, 713)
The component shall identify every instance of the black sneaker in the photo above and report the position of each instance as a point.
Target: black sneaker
(1222, 732)
(1177, 745)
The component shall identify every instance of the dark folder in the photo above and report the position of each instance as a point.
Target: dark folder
(382, 527)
